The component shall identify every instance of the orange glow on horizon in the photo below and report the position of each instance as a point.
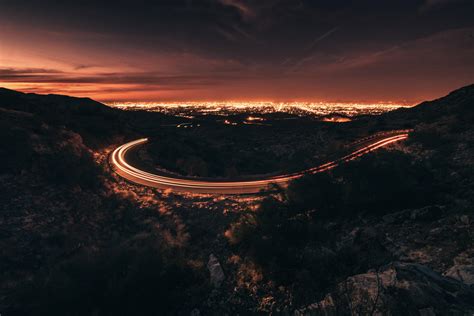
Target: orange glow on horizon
(335, 119)
(124, 95)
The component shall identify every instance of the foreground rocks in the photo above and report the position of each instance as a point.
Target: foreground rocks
(216, 272)
(398, 288)
(463, 273)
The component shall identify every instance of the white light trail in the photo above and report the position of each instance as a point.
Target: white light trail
(124, 169)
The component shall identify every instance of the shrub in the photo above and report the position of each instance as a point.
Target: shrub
(142, 277)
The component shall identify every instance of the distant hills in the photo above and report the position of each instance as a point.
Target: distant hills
(458, 102)
(460, 99)
(98, 123)
(36, 103)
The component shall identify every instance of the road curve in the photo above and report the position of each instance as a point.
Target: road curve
(196, 185)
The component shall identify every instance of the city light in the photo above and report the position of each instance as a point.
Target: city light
(304, 108)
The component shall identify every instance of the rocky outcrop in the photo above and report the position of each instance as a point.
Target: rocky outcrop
(463, 273)
(398, 288)
(215, 270)
(427, 213)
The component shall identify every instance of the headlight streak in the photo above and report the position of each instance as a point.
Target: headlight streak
(133, 174)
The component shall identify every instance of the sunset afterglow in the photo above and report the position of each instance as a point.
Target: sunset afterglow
(240, 51)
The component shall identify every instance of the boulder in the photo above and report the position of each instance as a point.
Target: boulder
(464, 219)
(462, 272)
(427, 213)
(398, 288)
(397, 217)
(215, 270)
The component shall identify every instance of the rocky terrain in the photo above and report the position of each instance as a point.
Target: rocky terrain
(390, 233)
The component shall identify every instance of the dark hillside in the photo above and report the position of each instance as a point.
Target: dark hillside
(412, 203)
(391, 232)
(459, 103)
(98, 124)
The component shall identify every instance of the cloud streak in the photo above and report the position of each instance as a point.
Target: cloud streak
(246, 11)
(221, 49)
(56, 76)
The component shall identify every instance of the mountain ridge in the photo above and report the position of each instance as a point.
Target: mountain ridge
(464, 91)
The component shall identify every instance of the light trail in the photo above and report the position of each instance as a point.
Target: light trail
(196, 185)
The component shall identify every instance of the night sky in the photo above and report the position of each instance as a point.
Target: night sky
(400, 51)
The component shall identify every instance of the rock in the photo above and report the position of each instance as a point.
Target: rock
(463, 273)
(464, 219)
(427, 213)
(369, 233)
(390, 219)
(465, 258)
(397, 289)
(215, 270)
(436, 231)
(396, 218)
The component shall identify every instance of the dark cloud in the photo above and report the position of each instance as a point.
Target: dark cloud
(13, 72)
(245, 10)
(209, 43)
(56, 76)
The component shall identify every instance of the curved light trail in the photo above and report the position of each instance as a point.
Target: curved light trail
(196, 185)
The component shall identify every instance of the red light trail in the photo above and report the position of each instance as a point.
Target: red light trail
(196, 185)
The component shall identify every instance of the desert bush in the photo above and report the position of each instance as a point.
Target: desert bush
(67, 167)
(142, 277)
(291, 237)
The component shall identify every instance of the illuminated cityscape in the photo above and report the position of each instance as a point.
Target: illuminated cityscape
(222, 108)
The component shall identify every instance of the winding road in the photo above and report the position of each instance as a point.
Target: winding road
(119, 163)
